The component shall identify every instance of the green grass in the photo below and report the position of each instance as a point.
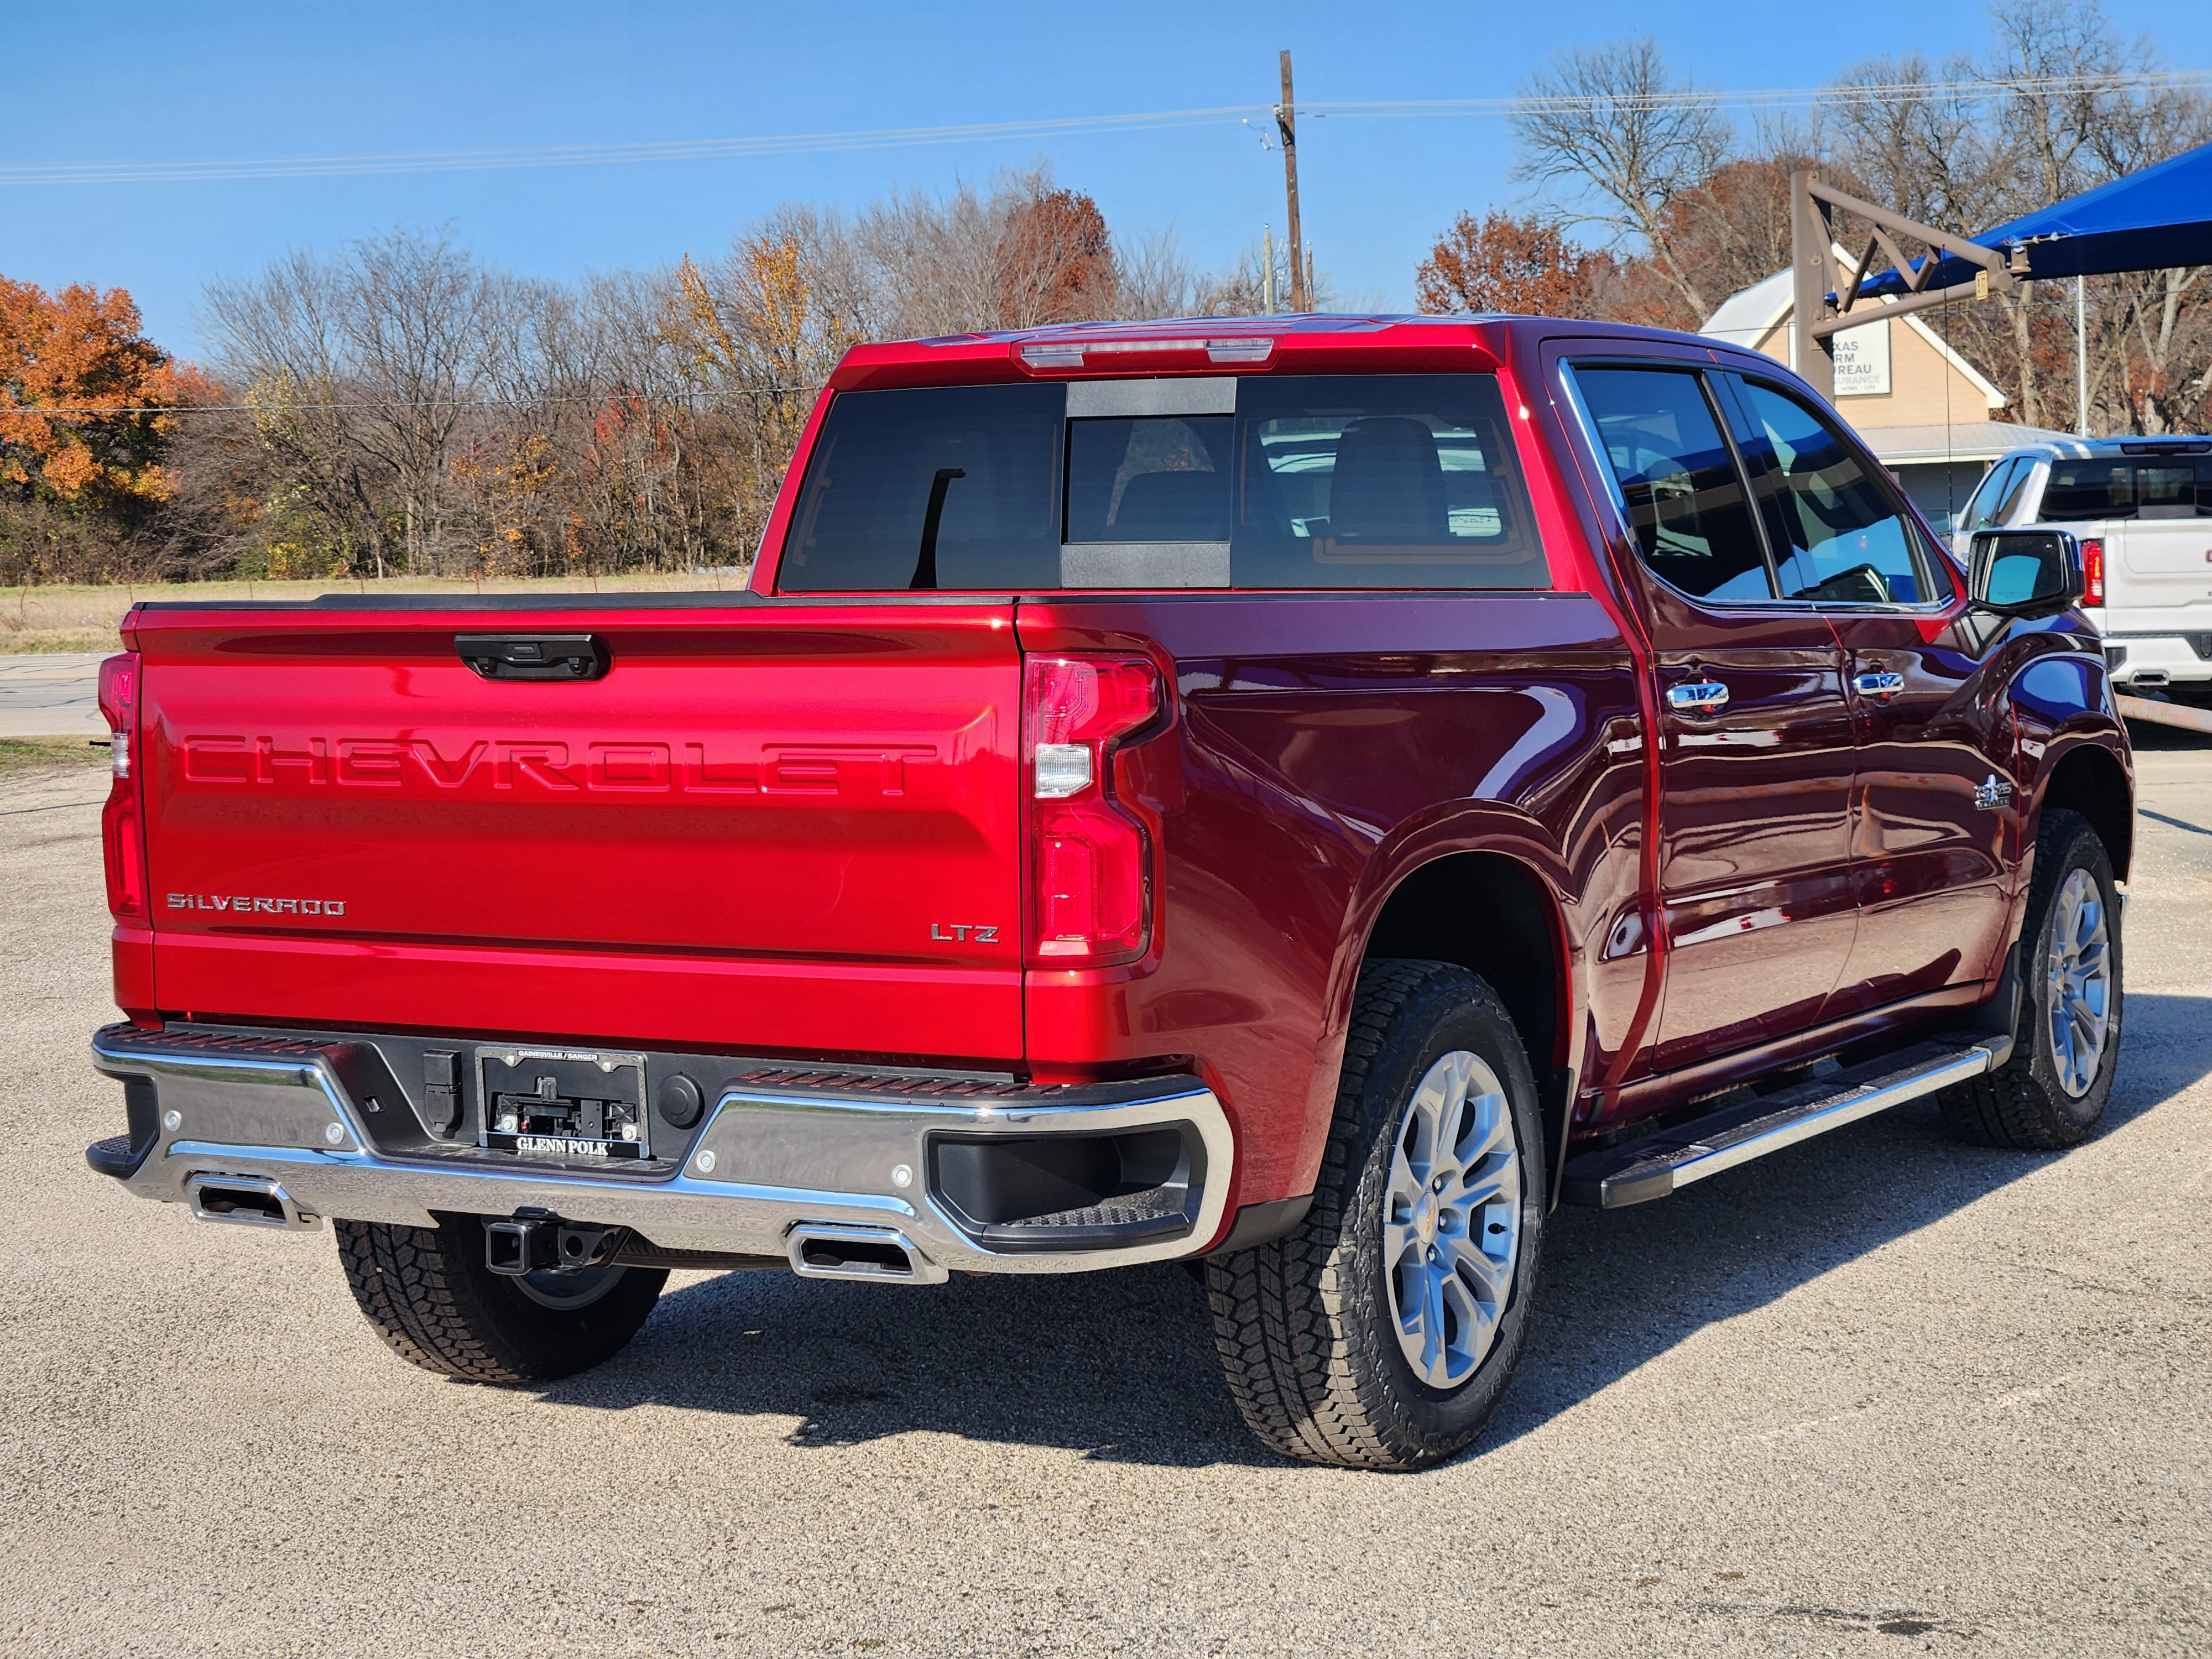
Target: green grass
(21, 754)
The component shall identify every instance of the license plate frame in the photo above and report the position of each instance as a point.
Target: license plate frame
(581, 1105)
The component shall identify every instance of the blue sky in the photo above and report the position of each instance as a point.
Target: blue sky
(200, 80)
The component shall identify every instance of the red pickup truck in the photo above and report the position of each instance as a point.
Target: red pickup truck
(1303, 796)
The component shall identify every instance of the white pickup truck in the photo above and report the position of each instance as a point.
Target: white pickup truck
(2141, 508)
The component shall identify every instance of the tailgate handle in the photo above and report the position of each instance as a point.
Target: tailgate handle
(534, 656)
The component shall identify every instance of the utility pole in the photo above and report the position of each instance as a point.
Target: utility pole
(2080, 360)
(1286, 122)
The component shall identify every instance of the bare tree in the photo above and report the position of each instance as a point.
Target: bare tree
(1612, 121)
(364, 364)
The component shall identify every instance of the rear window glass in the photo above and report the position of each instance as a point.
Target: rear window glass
(1154, 478)
(2171, 487)
(982, 461)
(2090, 489)
(1381, 481)
(1316, 481)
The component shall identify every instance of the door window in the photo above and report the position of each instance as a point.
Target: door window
(1840, 537)
(1679, 478)
(1994, 501)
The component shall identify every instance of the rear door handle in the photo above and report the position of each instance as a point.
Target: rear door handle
(1882, 684)
(1698, 696)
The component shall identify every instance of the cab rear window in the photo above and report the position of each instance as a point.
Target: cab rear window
(2169, 487)
(1315, 481)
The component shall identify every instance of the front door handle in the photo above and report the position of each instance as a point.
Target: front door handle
(1880, 685)
(1698, 696)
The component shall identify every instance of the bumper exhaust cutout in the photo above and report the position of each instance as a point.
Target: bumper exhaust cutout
(251, 1200)
(880, 1254)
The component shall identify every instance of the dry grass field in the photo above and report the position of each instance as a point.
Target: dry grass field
(37, 619)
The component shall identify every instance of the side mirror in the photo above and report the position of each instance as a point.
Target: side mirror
(2025, 573)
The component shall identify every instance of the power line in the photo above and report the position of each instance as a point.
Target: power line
(695, 149)
(1801, 97)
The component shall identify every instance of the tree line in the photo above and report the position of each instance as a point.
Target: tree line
(1682, 209)
(402, 407)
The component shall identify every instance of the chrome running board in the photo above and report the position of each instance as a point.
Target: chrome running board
(1656, 1166)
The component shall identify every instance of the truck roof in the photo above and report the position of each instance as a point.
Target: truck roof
(1305, 343)
(2085, 449)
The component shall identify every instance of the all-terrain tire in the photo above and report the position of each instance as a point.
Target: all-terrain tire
(1306, 1337)
(2022, 1102)
(437, 1305)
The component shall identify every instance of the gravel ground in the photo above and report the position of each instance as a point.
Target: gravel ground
(1881, 1394)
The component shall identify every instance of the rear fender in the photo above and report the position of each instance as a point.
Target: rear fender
(1489, 831)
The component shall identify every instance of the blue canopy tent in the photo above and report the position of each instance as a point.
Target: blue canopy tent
(2153, 220)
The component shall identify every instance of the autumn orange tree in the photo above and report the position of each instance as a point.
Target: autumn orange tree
(1499, 263)
(84, 397)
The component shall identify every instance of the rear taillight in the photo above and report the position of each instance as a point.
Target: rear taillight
(2093, 570)
(122, 831)
(1090, 903)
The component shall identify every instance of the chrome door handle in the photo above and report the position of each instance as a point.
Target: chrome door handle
(1698, 696)
(1878, 684)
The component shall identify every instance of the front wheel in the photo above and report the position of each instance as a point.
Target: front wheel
(437, 1305)
(2067, 1045)
(1382, 1332)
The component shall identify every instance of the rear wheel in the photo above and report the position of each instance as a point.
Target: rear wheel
(437, 1305)
(2053, 1090)
(1382, 1333)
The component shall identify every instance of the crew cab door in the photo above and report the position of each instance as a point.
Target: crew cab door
(1755, 734)
(1933, 806)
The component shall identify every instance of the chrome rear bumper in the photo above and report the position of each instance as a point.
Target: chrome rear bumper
(816, 1151)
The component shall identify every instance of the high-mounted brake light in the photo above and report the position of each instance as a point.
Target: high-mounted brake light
(122, 824)
(2093, 570)
(1079, 353)
(1090, 855)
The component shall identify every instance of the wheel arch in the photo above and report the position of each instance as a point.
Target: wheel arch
(2088, 779)
(1495, 915)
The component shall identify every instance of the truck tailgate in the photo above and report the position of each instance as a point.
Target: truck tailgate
(768, 826)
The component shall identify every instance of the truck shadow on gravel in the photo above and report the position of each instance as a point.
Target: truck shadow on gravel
(1120, 1365)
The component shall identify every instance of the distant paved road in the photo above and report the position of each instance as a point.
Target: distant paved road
(50, 696)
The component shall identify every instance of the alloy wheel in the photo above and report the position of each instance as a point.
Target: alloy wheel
(2080, 972)
(1451, 1218)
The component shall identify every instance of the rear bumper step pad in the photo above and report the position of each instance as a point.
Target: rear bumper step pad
(1654, 1167)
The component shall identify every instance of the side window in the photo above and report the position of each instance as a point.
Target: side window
(1840, 537)
(1994, 502)
(2015, 487)
(1685, 495)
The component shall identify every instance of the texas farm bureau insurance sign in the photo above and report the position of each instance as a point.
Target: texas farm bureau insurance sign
(1862, 361)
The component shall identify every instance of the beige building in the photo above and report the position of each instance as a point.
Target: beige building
(1921, 407)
